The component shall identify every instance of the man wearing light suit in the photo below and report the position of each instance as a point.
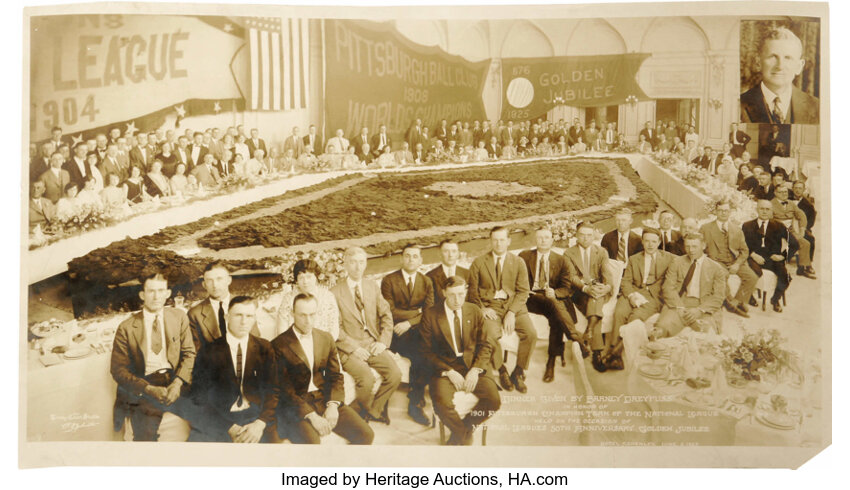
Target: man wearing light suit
(152, 361)
(641, 287)
(551, 290)
(294, 143)
(776, 100)
(206, 173)
(725, 244)
(409, 293)
(693, 291)
(498, 284)
(234, 389)
(365, 334)
(592, 284)
(208, 318)
(458, 350)
(55, 178)
(312, 391)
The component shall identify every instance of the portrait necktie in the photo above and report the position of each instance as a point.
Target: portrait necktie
(410, 286)
(156, 336)
(222, 323)
(239, 373)
(621, 250)
(777, 111)
(763, 232)
(358, 299)
(688, 277)
(499, 272)
(540, 283)
(458, 333)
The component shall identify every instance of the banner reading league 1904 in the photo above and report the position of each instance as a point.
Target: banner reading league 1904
(375, 76)
(533, 86)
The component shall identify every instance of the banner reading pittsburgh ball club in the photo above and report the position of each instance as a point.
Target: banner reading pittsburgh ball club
(89, 71)
(533, 86)
(375, 76)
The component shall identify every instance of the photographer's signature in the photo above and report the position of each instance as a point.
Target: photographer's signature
(76, 421)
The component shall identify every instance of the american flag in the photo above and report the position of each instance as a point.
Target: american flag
(279, 63)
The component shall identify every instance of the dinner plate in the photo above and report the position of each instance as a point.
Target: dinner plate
(78, 352)
(656, 371)
(777, 419)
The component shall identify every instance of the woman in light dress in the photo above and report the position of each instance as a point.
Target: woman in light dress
(89, 197)
(480, 154)
(727, 172)
(178, 181)
(114, 197)
(350, 161)
(386, 159)
(307, 272)
(66, 206)
(93, 160)
(157, 183)
(240, 148)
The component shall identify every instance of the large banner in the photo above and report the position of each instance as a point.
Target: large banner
(533, 86)
(375, 76)
(89, 71)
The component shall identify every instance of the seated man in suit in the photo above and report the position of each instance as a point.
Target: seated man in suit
(641, 298)
(42, 211)
(457, 347)
(208, 318)
(807, 204)
(365, 334)
(786, 212)
(448, 267)
(764, 240)
(621, 243)
(776, 100)
(670, 239)
(205, 173)
(693, 291)
(152, 361)
(725, 244)
(55, 178)
(551, 290)
(234, 387)
(409, 293)
(498, 284)
(591, 285)
(312, 392)
(404, 156)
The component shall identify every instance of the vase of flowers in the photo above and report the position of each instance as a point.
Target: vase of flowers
(759, 356)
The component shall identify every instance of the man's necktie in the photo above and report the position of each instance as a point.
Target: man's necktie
(222, 323)
(777, 111)
(621, 250)
(723, 228)
(688, 277)
(784, 203)
(540, 283)
(458, 333)
(410, 286)
(499, 272)
(239, 373)
(358, 299)
(156, 336)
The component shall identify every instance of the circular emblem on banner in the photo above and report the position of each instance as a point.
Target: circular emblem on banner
(520, 92)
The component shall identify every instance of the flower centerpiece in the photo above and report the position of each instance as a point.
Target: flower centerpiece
(758, 355)
(563, 230)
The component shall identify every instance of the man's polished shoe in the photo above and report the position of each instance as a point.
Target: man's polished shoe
(728, 306)
(583, 345)
(384, 418)
(743, 307)
(505, 380)
(802, 271)
(417, 413)
(740, 311)
(549, 374)
(597, 362)
(753, 302)
(811, 270)
(518, 379)
(614, 363)
(777, 307)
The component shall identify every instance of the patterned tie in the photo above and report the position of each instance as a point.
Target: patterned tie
(777, 111)
(458, 333)
(156, 336)
(239, 373)
(688, 277)
(222, 323)
(358, 299)
(621, 250)
(499, 272)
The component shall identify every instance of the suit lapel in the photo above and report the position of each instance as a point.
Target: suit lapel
(139, 334)
(295, 346)
(348, 300)
(445, 328)
(210, 322)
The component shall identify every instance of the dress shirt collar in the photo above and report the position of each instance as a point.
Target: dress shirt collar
(784, 98)
(354, 284)
(233, 342)
(148, 317)
(449, 271)
(450, 315)
(497, 257)
(408, 277)
(216, 304)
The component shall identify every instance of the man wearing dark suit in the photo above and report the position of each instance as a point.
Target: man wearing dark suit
(498, 284)
(486, 133)
(234, 388)
(365, 333)
(41, 163)
(621, 243)
(312, 139)
(380, 140)
(442, 133)
(457, 347)
(776, 100)
(641, 298)
(409, 293)
(197, 151)
(703, 158)
(152, 361)
(592, 286)
(414, 133)
(807, 204)
(764, 189)
(725, 244)
(551, 290)
(256, 143)
(110, 164)
(671, 240)
(419, 154)
(764, 241)
(208, 318)
(508, 134)
(358, 142)
(788, 213)
(739, 140)
(448, 267)
(78, 167)
(650, 135)
(42, 211)
(141, 155)
(493, 148)
(55, 178)
(295, 143)
(312, 392)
